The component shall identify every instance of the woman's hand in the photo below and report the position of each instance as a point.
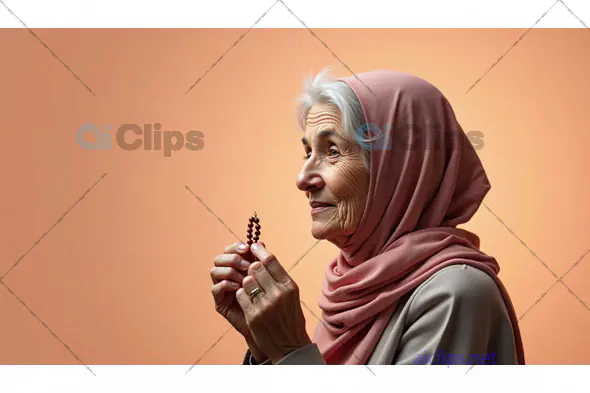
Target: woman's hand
(227, 275)
(274, 316)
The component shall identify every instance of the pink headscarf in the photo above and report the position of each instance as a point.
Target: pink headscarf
(426, 179)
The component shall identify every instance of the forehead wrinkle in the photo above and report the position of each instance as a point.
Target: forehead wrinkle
(325, 131)
(327, 112)
(323, 118)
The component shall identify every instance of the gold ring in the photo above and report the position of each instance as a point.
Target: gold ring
(254, 292)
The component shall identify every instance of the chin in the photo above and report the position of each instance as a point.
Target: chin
(336, 236)
(320, 232)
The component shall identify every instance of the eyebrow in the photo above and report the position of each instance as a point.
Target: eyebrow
(321, 134)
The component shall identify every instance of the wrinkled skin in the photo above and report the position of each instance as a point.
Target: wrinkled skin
(334, 172)
(227, 274)
(275, 317)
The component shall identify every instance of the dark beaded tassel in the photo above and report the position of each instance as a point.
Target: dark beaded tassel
(254, 223)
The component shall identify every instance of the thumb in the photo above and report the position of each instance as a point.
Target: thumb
(255, 258)
(244, 250)
(246, 253)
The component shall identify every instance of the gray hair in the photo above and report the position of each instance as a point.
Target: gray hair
(323, 89)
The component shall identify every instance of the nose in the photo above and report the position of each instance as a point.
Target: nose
(309, 179)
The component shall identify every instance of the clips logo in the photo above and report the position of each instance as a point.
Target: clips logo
(131, 137)
(102, 140)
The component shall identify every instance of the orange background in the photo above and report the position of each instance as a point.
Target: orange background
(123, 278)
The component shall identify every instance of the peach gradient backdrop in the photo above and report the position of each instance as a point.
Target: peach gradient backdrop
(123, 277)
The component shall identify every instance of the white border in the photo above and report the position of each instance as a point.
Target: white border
(314, 13)
(295, 379)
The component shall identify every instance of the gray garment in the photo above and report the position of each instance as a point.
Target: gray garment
(457, 316)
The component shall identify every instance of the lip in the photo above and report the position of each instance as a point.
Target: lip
(319, 204)
(317, 207)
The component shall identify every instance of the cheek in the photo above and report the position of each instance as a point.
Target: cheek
(350, 181)
(350, 186)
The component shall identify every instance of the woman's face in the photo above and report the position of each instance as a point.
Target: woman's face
(334, 176)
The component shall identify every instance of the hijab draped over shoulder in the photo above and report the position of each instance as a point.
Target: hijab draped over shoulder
(425, 179)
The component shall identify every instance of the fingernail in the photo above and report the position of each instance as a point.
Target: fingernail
(242, 247)
(234, 284)
(255, 246)
(245, 264)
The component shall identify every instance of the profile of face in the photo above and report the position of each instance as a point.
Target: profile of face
(334, 176)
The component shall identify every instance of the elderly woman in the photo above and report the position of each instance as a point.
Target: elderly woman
(389, 174)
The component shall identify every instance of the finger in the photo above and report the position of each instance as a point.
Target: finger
(235, 261)
(241, 249)
(249, 284)
(244, 300)
(266, 281)
(222, 287)
(236, 248)
(271, 263)
(225, 273)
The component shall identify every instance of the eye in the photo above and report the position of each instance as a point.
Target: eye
(332, 152)
(306, 155)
